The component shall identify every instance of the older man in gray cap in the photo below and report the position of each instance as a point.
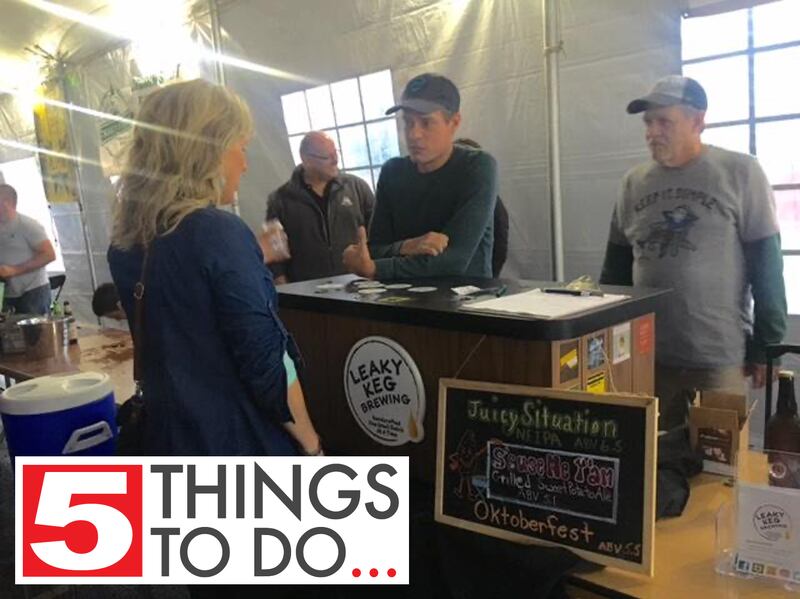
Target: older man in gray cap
(700, 220)
(434, 208)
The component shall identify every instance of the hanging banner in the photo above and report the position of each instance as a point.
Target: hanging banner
(52, 133)
(116, 133)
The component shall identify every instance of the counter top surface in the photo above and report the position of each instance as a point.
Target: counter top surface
(443, 308)
(684, 552)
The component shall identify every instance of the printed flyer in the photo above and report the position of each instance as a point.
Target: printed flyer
(768, 527)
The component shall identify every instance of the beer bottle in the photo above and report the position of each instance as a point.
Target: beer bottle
(782, 440)
(72, 325)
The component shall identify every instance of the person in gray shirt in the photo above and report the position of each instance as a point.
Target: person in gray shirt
(700, 220)
(25, 250)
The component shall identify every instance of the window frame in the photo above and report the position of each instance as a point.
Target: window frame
(751, 51)
(336, 127)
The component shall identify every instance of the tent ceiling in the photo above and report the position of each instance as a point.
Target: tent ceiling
(25, 26)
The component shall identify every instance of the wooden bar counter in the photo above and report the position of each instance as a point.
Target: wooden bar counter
(446, 341)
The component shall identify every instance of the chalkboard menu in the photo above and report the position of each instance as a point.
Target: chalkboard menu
(560, 467)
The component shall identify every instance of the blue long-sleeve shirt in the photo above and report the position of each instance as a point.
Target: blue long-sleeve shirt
(214, 377)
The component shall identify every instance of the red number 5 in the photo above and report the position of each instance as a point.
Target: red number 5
(87, 521)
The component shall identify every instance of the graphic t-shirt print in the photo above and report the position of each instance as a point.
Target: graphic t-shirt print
(670, 234)
(672, 231)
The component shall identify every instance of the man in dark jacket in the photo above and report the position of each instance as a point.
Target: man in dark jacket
(321, 210)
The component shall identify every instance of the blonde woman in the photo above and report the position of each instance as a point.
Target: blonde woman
(216, 376)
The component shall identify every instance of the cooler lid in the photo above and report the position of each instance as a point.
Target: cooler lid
(54, 393)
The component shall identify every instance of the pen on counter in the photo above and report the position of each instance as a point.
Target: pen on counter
(577, 292)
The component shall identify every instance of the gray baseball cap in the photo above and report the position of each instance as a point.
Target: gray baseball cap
(428, 93)
(670, 91)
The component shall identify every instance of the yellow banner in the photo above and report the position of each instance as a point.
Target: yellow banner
(52, 133)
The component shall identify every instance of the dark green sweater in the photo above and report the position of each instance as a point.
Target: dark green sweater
(458, 200)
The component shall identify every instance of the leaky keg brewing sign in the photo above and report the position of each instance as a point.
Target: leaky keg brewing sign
(385, 391)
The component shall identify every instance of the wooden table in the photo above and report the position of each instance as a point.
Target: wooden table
(101, 350)
(684, 554)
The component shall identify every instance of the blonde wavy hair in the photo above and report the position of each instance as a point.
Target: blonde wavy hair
(174, 165)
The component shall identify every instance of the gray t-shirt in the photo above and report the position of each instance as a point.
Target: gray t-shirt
(686, 227)
(19, 239)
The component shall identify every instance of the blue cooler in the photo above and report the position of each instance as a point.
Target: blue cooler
(69, 414)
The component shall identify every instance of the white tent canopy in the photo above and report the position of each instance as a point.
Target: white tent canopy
(492, 49)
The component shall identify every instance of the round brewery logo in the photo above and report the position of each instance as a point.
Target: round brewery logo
(772, 522)
(385, 391)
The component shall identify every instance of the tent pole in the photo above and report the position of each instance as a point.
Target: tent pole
(87, 240)
(552, 47)
(219, 68)
(216, 40)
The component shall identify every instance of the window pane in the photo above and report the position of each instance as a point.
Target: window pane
(335, 137)
(295, 114)
(776, 148)
(346, 102)
(791, 278)
(376, 174)
(776, 84)
(776, 23)
(382, 141)
(320, 107)
(699, 35)
(788, 205)
(377, 94)
(364, 174)
(294, 144)
(725, 82)
(354, 147)
(736, 138)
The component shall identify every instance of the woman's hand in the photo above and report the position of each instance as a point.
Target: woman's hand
(314, 450)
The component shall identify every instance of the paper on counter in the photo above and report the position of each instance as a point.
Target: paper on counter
(465, 290)
(538, 304)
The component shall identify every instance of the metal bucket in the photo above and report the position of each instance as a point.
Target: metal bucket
(44, 337)
(11, 340)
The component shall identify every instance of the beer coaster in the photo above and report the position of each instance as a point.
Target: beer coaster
(330, 287)
(398, 286)
(422, 289)
(372, 290)
(368, 284)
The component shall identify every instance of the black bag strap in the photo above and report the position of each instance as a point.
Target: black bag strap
(138, 325)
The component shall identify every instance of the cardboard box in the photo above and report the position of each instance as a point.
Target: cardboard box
(718, 427)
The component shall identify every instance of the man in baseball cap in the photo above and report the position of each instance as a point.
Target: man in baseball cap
(674, 114)
(428, 93)
(433, 208)
(700, 220)
(672, 91)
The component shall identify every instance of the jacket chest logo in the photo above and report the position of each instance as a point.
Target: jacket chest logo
(346, 202)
